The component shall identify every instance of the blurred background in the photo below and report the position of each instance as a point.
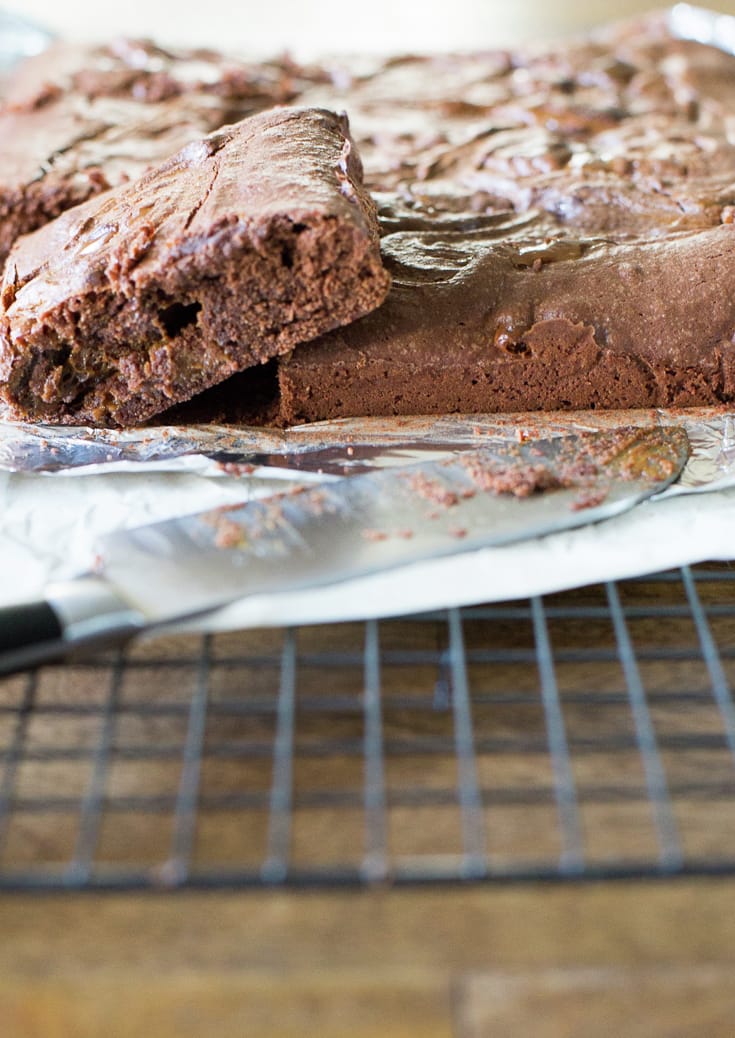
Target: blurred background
(308, 28)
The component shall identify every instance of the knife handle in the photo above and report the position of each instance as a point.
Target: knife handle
(30, 634)
(78, 613)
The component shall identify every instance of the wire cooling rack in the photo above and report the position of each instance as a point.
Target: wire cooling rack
(587, 734)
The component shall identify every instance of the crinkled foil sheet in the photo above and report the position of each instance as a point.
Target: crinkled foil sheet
(346, 446)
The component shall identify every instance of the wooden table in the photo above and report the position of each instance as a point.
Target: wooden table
(641, 960)
(568, 959)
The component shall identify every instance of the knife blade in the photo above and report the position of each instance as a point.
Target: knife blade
(179, 569)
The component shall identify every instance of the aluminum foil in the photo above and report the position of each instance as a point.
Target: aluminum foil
(347, 446)
(19, 38)
(703, 26)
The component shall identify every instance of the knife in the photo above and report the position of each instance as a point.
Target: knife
(179, 569)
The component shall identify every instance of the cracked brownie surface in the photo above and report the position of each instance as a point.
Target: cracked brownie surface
(78, 120)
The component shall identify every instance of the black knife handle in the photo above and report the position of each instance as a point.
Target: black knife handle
(30, 634)
(82, 613)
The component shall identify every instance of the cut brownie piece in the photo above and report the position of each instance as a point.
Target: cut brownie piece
(244, 244)
(78, 120)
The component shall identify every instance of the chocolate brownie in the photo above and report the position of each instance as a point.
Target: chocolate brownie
(243, 244)
(565, 239)
(494, 318)
(78, 120)
(553, 219)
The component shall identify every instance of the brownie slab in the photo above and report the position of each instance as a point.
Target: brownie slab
(245, 243)
(565, 239)
(494, 318)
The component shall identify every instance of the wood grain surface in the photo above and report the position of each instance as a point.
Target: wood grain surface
(571, 959)
(642, 960)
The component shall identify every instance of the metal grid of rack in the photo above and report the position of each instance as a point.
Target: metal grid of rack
(586, 734)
